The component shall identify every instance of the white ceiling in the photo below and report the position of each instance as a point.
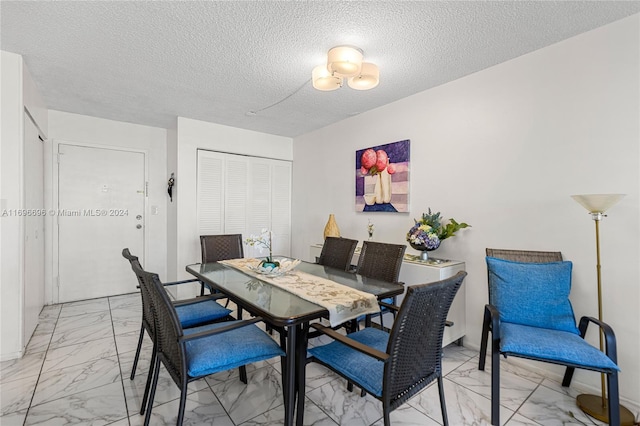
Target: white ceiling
(149, 62)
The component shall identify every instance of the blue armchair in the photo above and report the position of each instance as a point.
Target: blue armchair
(192, 354)
(530, 316)
(395, 366)
(190, 312)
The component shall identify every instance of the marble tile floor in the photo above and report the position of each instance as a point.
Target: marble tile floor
(77, 365)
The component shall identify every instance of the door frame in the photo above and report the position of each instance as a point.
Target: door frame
(53, 288)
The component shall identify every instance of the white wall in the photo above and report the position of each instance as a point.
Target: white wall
(191, 136)
(19, 94)
(11, 344)
(503, 149)
(66, 127)
(172, 206)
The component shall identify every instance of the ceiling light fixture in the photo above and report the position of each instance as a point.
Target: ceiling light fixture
(345, 61)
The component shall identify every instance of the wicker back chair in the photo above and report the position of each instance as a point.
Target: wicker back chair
(381, 261)
(525, 255)
(220, 247)
(192, 354)
(411, 353)
(546, 345)
(191, 313)
(337, 252)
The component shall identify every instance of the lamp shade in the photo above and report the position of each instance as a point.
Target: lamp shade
(597, 203)
(323, 80)
(368, 78)
(344, 60)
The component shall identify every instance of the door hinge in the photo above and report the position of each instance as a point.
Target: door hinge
(58, 281)
(146, 189)
(58, 158)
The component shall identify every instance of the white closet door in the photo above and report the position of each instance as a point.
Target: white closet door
(210, 193)
(242, 194)
(235, 194)
(281, 207)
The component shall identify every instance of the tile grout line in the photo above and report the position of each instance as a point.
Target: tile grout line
(44, 359)
(115, 342)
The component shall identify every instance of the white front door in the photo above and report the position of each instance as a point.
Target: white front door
(101, 206)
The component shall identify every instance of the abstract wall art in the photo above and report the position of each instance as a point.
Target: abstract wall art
(382, 178)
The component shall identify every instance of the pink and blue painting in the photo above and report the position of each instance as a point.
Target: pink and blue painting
(382, 178)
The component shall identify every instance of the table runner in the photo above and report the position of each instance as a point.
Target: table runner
(343, 302)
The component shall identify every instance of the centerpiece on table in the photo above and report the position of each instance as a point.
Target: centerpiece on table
(428, 232)
(269, 265)
(264, 241)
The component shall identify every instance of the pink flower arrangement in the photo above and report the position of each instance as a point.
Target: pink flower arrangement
(375, 162)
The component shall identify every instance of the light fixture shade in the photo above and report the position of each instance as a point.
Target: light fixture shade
(344, 60)
(368, 78)
(597, 203)
(323, 80)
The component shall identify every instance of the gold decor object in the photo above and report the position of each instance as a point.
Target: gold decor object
(331, 228)
(596, 405)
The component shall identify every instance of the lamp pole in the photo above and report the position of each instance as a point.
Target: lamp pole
(593, 405)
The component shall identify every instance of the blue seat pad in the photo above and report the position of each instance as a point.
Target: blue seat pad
(553, 345)
(200, 313)
(228, 350)
(356, 366)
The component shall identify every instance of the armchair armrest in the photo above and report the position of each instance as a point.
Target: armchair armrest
(199, 299)
(609, 335)
(389, 306)
(181, 282)
(232, 326)
(492, 317)
(367, 350)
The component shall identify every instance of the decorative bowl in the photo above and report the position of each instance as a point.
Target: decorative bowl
(286, 266)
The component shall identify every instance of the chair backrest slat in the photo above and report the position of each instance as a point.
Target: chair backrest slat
(168, 328)
(221, 247)
(337, 252)
(525, 255)
(415, 341)
(147, 314)
(381, 261)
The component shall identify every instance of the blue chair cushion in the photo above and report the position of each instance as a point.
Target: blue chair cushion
(228, 350)
(534, 294)
(361, 369)
(201, 313)
(553, 345)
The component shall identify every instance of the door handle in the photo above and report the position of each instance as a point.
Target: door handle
(138, 226)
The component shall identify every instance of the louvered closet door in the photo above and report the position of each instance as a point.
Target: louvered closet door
(281, 207)
(210, 193)
(241, 194)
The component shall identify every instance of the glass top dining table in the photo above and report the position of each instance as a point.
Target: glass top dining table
(285, 310)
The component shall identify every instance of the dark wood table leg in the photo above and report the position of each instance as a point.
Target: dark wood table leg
(301, 364)
(289, 390)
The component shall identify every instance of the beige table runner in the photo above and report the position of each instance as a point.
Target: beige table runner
(343, 302)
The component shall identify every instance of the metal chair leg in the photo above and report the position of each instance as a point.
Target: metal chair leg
(135, 359)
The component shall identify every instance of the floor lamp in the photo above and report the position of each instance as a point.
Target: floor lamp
(594, 405)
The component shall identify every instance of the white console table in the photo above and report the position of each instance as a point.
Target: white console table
(416, 271)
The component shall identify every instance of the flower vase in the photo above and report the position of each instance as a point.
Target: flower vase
(424, 252)
(331, 228)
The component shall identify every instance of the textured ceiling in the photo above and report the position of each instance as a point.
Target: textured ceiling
(149, 62)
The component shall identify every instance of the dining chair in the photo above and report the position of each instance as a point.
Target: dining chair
(191, 354)
(337, 252)
(394, 366)
(381, 261)
(190, 312)
(530, 316)
(220, 247)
